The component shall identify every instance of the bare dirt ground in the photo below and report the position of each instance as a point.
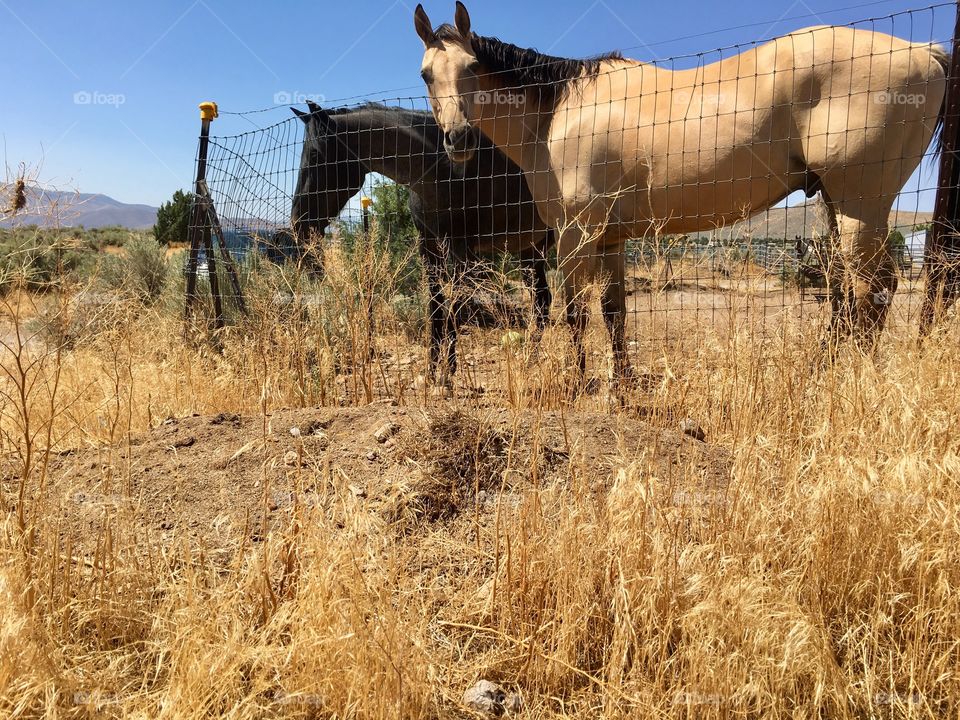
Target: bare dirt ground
(222, 479)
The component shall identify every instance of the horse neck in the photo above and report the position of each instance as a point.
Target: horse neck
(386, 143)
(514, 127)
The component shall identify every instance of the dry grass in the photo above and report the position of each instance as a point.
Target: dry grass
(821, 582)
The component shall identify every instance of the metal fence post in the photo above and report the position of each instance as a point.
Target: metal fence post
(206, 231)
(198, 220)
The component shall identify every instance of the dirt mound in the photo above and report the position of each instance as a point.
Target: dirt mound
(221, 479)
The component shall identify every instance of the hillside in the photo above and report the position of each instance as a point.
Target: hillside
(50, 208)
(806, 220)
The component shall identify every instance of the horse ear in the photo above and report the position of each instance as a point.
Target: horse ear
(320, 115)
(424, 27)
(301, 114)
(462, 21)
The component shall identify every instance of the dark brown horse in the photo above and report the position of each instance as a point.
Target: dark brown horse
(461, 212)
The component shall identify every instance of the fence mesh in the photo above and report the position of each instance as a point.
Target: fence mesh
(445, 246)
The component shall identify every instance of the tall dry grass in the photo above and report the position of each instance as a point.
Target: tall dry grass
(820, 581)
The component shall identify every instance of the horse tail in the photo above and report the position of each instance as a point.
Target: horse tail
(943, 60)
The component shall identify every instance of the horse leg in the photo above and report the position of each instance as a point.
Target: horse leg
(614, 304)
(439, 319)
(458, 306)
(535, 275)
(576, 267)
(870, 270)
(840, 292)
(468, 284)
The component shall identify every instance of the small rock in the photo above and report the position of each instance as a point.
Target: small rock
(488, 697)
(291, 458)
(357, 491)
(295, 431)
(385, 432)
(184, 442)
(372, 455)
(691, 428)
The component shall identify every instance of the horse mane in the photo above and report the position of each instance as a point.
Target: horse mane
(420, 122)
(408, 114)
(521, 67)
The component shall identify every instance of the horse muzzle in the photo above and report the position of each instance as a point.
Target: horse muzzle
(461, 143)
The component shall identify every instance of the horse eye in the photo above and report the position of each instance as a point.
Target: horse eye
(427, 76)
(474, 67)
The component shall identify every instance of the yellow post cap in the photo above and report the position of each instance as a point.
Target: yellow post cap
(365, 202)
(208, 110)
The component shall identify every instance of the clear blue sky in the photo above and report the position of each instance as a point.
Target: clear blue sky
(102, 96)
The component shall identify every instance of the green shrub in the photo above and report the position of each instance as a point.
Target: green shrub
(38, 259)
(144, 269)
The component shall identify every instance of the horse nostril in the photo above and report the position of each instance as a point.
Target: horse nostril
(456, 138)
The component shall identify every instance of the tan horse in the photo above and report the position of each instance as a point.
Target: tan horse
(614, 148)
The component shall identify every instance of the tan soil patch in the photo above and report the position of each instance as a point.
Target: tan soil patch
(219, 480)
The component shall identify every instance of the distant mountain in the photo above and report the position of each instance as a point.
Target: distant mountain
(806, 220)
(48, 208)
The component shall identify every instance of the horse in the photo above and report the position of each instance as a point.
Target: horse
(461, 211)
(615, 148)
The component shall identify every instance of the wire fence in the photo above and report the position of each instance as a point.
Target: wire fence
(743, 188)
